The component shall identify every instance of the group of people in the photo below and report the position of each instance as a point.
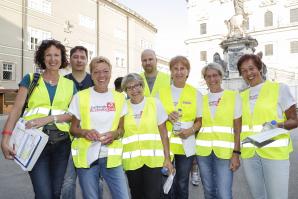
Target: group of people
(99, 133)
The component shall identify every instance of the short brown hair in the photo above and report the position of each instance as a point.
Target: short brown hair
(255, 59)
(100, 59)
(180, 59)
(80, 48)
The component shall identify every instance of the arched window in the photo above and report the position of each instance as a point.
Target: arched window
(268, 19)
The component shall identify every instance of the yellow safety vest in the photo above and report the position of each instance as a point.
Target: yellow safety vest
(265, 110)
(162, 79)
(188, 103)
(142, 143)
(80, 146)
(217, 133)
(39, 104)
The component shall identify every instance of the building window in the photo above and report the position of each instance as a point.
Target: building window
(87, 22)
(203, 56)
(90, 47)
(35, 36)
(294, 47)
(269, 50)
(8, 71)
(44, 6)
(268, 19)
(294, 15)
(203, 27)
(120, 59)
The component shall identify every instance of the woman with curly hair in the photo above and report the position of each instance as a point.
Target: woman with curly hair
(46, 110)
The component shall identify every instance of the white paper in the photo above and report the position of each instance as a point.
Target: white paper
(28, 144)
(264, 137)
(168, 184)
(189, 144)
(93, 152)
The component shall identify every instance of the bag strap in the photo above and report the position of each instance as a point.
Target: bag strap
(31, 88)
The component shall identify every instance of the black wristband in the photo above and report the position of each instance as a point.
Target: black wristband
(237, 152)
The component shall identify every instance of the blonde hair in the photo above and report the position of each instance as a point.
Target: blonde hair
(97, 60)
(180, 59)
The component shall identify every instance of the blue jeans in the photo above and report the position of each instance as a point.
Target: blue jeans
(48, 173)
(114, 177)
(216, 175)
(267, 178)
(69, 184)
(183, 166)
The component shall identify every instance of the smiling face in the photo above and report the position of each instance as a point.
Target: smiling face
(78, 60)
(213, 80)
(135, 91)
(179, 74)
(250, 73)
(101, 75)
(52, 58)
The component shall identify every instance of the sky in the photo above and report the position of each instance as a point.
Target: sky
(170, 19)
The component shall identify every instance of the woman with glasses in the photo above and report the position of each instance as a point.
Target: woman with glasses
(97, 125)
(47, 110)
(218, 142)
(145, 141)
(183, 98)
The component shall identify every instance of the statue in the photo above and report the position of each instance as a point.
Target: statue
(264, 67)
(236, 24)
(217, 59)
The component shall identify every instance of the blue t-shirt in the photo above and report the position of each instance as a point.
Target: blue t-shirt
(86, 83)
(51, 89)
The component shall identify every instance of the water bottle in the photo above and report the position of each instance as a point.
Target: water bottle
(177, 124)
(269, 125)
(164, 171)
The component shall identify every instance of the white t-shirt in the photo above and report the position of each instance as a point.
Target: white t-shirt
(176, 95)
(285, 98)
(160, 111)
(214, 99)
(102, 112)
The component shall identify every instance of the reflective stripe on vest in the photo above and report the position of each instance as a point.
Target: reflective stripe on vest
(142, 143)
(161, 80)
(217, 134)
(41, 108)
(80, 146)
(137, 153)
(265, 110)
(188, 103)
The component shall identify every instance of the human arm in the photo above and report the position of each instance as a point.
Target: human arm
(235, 161)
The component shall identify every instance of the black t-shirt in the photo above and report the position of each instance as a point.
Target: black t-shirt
(86, 83)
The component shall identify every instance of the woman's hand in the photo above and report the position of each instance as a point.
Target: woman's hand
(107, 138)
(91, 135)
(168, 164)
(8, 152)
(234, 162)
(173, 117)
(38, 122)
(185, 133)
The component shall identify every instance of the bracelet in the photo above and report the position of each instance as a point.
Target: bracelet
(6, 132)
(237, 152)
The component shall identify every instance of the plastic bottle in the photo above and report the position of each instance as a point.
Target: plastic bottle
(269, 125)
(164, 171)
(177, 124)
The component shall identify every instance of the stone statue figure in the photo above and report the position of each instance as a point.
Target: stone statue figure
(264, 67)
(237, 23)
(217, 59)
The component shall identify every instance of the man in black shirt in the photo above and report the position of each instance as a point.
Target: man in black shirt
(82, 80)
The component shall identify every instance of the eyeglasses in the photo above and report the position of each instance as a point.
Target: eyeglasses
(136, 86)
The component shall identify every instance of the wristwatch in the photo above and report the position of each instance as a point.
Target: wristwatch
(237, 152)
